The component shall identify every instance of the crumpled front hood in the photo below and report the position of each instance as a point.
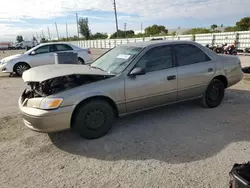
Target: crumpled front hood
(46, 72)
(9, 58)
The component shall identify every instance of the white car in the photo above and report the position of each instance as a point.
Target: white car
(42, 54)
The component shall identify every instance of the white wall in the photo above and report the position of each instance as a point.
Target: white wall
(242, 39)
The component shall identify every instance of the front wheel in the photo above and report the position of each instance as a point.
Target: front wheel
(93, 119)
(214, 94)
(19, 68)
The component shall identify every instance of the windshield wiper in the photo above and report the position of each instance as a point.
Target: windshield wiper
(97, 68)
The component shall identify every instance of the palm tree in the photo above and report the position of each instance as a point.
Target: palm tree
(213, 26)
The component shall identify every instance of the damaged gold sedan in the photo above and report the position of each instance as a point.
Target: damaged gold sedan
(127, 79)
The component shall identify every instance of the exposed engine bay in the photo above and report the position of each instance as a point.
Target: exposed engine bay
(59, 84)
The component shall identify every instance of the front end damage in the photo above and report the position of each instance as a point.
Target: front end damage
(59, 84)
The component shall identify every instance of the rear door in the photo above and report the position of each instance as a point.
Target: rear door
(195, 69)
(43, 56)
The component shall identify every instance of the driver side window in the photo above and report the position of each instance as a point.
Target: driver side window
(43, 49)
(156, 59)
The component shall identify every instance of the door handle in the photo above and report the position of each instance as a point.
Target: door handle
(210, 70)
(172, 77)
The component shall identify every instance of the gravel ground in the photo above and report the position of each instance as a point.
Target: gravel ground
(181, 145)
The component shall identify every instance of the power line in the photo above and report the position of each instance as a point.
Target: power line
(116, 19)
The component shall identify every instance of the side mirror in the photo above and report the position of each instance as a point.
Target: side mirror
(137, 71)
(33, 53)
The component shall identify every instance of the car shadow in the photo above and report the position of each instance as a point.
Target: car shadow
(177, 133)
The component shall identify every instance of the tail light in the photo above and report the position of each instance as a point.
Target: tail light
(89, 52)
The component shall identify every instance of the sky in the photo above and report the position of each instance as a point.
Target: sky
(33, 17)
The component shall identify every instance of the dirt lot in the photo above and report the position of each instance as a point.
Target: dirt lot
(182, 145)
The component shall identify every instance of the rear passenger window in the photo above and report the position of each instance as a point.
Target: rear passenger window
(63, 47)
(157, 58)
(187, 54)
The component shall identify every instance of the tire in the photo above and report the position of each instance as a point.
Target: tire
(214, 94)
(19, 68)
(93, 119)
(80, 61)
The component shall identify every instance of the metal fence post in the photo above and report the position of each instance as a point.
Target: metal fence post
(236, 41)
(213, 39)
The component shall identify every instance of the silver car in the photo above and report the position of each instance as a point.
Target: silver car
(125, 80)
(42, 54)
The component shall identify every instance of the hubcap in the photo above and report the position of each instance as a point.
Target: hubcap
(21, 68)
(214, 93)
(95, 119)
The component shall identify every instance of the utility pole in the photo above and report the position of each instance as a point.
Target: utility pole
(43, 34)
(57, 31)
(77, 25)
(49, 33)
(141, 27)
(67, 31)
(37, 37)
(116, 19)
(125, 26)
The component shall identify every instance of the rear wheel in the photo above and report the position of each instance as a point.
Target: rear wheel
(80, 61)
(19, 68)
(93, 119)
(214, 94)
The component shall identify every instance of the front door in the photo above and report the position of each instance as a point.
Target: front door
(158, 86)
(194, 70)
(43, 56)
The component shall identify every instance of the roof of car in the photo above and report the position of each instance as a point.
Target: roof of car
(155, 43)
(49, 43)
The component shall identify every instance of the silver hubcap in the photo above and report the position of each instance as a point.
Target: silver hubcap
(21, 68)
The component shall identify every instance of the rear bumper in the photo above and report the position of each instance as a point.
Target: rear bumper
(234, 80)
(46, 120)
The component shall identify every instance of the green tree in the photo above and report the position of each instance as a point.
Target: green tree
(34, 39)
(196, 31)
(84, 28)
(99, 36)
(244, 24)
(19, 38)
(156, 30)
(139, 35)
(43, 40)
(231, 29)
(123, 34)
(173, 33)
(216, 31)
(213, 27)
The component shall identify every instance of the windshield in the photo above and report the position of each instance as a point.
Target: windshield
(117, 59)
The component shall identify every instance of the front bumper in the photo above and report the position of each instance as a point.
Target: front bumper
(46, 120)
(5, 68)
